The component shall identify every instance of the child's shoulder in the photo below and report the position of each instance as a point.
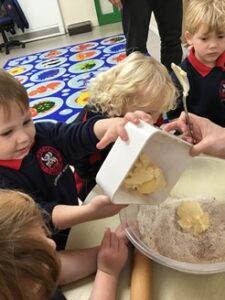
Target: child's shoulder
(45, 125)
(46, 129)
(86, 113)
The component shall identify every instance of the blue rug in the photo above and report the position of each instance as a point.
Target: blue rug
(56, 80)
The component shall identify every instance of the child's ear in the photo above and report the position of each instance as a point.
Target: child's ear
(188, 38)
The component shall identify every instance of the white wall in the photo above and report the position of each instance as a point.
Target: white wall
(74, 11)
(42, 14)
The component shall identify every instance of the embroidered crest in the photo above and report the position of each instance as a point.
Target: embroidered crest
(50, 160)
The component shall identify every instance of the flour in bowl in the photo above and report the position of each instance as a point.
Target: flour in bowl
(160, 231)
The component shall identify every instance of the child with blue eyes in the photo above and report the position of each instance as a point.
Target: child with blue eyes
(205, 64)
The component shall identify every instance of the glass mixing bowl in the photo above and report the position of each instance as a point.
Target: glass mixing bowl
(204, 177)
(128, 217)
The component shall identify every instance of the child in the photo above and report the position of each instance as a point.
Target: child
(36, 158)
(205, 64)
(29, 265)
(138, 82)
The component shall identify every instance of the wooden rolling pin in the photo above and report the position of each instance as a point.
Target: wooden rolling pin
(141, 277)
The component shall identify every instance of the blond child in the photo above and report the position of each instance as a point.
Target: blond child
(138, 82)
(31, 269)
(205, 64)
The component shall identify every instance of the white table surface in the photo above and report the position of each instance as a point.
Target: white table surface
(168, 284)
(90, 234)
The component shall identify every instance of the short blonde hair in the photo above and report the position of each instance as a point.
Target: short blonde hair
(12, 91)
(124, 84)
(209, 14)
(29, 267)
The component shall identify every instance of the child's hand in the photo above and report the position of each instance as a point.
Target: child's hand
(102, 207)
(112, 255)
(114, 127)
(138, 115)
(121, 233)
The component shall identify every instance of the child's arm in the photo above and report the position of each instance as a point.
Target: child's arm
(77, 264)
(77, 140)
(65, 216)
(107, 130)
(112, 257)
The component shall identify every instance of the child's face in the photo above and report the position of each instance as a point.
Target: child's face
(17, 133)
(208, 46)
(39, 233)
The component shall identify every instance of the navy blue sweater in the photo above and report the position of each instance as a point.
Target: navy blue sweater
(45, 173)
(58, 295)
(207, 90)
(88, 167)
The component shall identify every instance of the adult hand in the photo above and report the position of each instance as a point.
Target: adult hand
(117, 3)
(209, 138)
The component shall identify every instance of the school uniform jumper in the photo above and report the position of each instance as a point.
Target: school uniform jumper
(88, 167)
(45, 173)
(207, 89)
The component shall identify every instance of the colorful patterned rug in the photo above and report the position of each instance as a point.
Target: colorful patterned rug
(56, 80)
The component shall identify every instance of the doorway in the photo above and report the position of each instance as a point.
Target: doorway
(106, 12)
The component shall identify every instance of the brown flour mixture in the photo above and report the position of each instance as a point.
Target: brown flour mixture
(161, 232)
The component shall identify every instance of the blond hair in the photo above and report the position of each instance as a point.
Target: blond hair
(12, 91)
(127, 82)
(29, 267)
(208, 14)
